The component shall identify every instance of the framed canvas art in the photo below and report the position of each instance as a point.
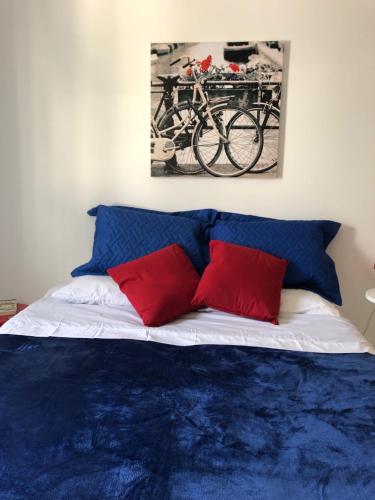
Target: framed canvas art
(215, 108)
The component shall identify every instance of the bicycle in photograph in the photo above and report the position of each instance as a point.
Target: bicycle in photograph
(267, 113)
(200, 132)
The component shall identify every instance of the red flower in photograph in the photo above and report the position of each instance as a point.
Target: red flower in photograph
(234, 67)
(206, 63)
(189, 72)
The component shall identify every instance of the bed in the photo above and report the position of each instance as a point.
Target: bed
(208, 404)
(95, 405)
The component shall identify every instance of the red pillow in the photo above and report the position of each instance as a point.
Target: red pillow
(243, 281)
(159, 285)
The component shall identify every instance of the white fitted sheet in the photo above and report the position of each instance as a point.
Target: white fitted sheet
(324, 333)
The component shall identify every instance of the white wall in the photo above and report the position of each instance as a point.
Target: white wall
(74, 108)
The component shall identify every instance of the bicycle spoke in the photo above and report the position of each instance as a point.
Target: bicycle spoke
(270, 127)
(242, 139)
(242, 146)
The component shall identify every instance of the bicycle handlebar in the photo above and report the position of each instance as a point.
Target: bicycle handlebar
(188, 63)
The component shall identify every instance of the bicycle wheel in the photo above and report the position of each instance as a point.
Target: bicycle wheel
(269, 121)
(185, 161)
(243, 141)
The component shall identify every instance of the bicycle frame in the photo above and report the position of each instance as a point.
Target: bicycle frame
(166, 95)
(204, 110)
(267, 110)
(268, 107)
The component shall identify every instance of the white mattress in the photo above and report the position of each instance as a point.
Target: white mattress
(324, 333)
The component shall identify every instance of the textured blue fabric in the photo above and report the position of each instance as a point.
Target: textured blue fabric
(209, 216)
(206, 215)
(122, 235)
(302, 243)
(329, 228)
(89, 419)
(235, 217)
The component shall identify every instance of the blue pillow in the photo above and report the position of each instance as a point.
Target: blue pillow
(234, 217)
(302, 243)
(122, 235)
(328, 227)
(206, 215)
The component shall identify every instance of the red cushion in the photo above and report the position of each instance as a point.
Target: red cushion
(159, 285)
(243, 281)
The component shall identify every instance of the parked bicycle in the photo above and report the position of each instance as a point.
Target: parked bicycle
(204, 130)
(267, 113)
(266, 109)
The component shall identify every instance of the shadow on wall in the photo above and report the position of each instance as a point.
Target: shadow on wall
(352, 271)
(11, 255)
(62, 132)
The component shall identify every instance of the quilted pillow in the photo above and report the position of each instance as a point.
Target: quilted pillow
(242, 281)
(160, 285)
(205, 215)
(302, 243)
(329, 228)
(122, 235)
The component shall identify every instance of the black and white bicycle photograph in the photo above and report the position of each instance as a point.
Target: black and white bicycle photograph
(215, 108)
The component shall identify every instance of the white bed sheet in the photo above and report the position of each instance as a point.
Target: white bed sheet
(299, 332)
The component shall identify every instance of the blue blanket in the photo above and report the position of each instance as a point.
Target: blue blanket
(121, 419)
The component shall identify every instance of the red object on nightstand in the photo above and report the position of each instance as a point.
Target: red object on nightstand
(4, 319)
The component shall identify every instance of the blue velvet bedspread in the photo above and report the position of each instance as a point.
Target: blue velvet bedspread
(120, 419)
